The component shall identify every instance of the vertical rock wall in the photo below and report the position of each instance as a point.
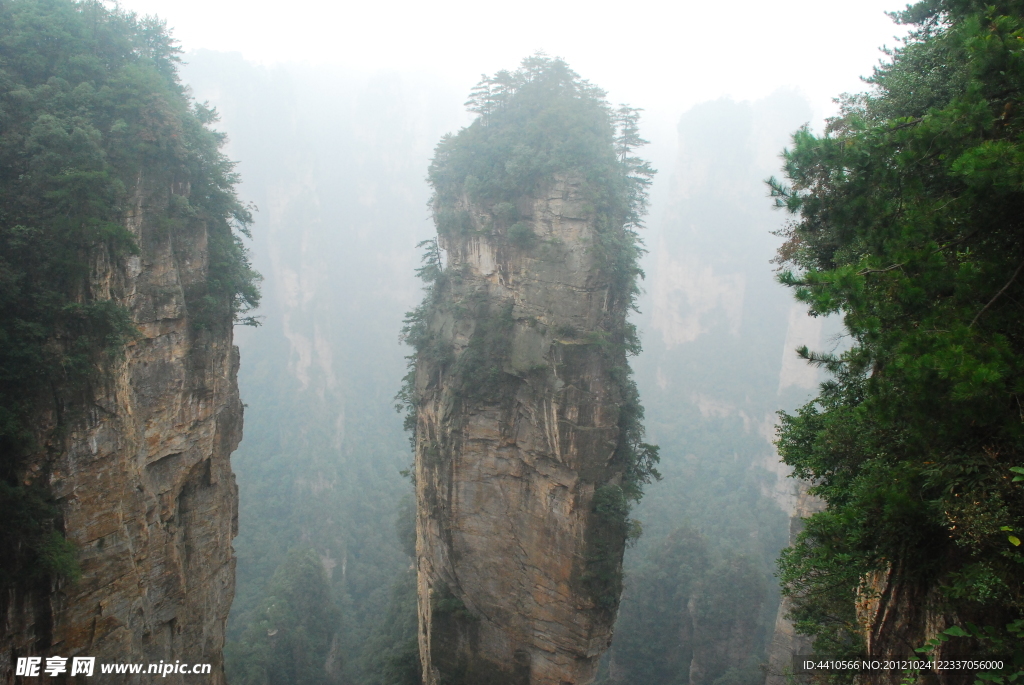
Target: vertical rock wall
(510, 451)
(143, 477)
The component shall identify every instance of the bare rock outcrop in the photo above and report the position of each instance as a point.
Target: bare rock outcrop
(143, 478)
(518, 423)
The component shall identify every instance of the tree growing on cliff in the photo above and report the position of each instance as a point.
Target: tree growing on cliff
(638, 171)
(544, 144)
(909, 225)
(91, 111)
(533, 123)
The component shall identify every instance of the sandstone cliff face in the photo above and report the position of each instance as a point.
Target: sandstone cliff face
(509, 453)
(143, 478)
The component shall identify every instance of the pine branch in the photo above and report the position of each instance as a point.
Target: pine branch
(1001, 291)
(879, 271)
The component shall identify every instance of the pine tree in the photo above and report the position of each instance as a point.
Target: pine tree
(908, 224)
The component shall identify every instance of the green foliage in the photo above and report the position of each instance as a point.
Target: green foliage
(444, 603)
(521, 235)
(1005, 644)
(478, 371)
(432, 268)
(91, 110)
(417, 334)
(602, 577)
(909, 226)
(290, 641)
(543, 120)
(29, 532)
(611, 506)
(640, 458)
(297, 485)
(639, 172)
(649, 644)
(58, 558)
(536, 123)
(392, 654)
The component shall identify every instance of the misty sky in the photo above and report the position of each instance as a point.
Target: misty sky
(662, 56)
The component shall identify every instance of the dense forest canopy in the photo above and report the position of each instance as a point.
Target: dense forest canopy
(92, 118)
(533, 123)
(291, 636)
(908, 223)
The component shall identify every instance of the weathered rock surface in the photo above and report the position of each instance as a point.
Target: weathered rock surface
(509, 453)
(143, 479)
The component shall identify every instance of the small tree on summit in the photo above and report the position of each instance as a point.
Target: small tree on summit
(627, 126)
(639, 172)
